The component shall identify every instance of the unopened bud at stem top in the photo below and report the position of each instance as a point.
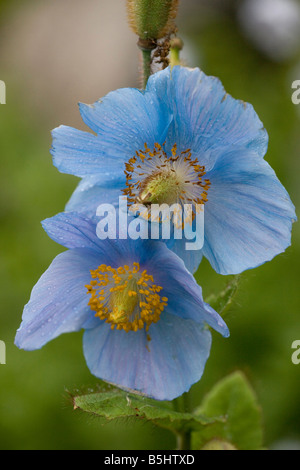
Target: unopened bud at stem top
(152, 19)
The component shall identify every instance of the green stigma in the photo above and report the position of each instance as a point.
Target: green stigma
(160, 188)
(123, 301)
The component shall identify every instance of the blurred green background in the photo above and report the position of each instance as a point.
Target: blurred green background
(51, 56)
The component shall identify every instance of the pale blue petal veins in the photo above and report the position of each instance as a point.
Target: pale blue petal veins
(59, 301)
(205, 117)
(81, 153)
(75, 230)
(162, 368)
(126, 119)
(72, 230)
(248, 216)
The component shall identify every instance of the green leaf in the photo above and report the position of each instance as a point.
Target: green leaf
(234, 399)
(222, 301)
(113, 404)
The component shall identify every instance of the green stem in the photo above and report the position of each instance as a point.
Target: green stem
(174, 56)
(184, 441)
(176, 46)
(181, 405)
(146, 65)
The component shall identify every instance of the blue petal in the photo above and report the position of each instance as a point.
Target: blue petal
(75, 230)
(191, 258)
(127, 118)
(124, 120)
(81, 153)
(72, 230)
(180, 287)
(91, 192)
(248, 216)
(205, 117)
(163, 368)
(59, 301)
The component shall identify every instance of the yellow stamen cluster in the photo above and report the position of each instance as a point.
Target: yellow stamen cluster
(126, 298)
(154, 177)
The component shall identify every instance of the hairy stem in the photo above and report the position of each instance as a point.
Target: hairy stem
(146, 65)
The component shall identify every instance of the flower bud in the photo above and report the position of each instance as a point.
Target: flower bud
(152, 19)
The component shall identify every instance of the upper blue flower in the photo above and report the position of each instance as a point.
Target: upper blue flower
(144, 315)
(183, 139)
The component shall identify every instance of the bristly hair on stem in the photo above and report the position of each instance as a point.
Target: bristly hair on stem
(154, 23)
(146, 46)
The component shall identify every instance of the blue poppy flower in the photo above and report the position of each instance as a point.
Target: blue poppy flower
(144, 317)
(183, 139)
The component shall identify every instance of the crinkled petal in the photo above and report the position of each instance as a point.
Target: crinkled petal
(82, 153)
(72, 230)
(205, 117)
(162, 368)
(126, 119)
(248, 216)
(59, 301)
(76, 230)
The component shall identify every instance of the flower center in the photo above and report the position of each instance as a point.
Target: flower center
(160, 187)
(126, 298)
(153, 177)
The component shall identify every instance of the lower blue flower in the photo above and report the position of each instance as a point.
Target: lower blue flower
(144, 315)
